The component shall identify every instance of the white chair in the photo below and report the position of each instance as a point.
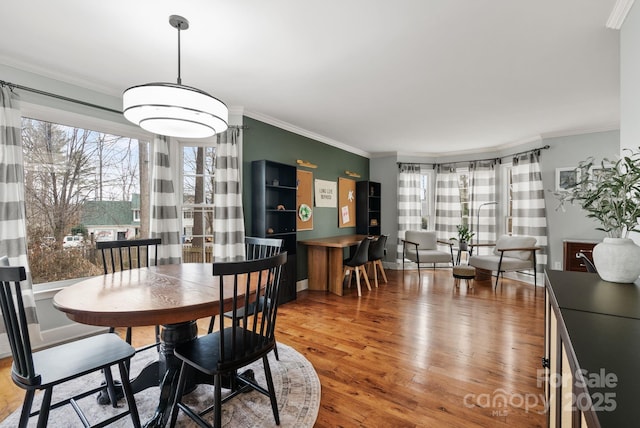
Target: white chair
(421, 246)
(511, 253)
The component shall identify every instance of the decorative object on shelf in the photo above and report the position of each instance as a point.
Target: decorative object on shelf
(372, 191)
(464, 237)
(275, 182)
(373, 222)
(352, 174)
(306, 164)
(610, 193)
(280, 207)
(174, 109)
(270, 231)
(304, 212)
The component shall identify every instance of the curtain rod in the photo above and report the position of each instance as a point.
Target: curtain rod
(60, 97)
(76, 101)
(499, 158)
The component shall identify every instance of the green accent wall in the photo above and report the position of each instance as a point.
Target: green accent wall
(264, 141)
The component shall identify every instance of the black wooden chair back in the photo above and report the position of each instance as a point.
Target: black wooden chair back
(260, 248)
(588, 264)
(227, 350)
(127, 254)
(15, 321)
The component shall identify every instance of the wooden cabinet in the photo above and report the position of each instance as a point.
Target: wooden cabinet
(368, 206)
(573, 247)
(274, 213)
(592, 332)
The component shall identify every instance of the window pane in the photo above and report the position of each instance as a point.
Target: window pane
(80, 186)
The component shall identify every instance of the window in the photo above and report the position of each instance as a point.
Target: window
(465, 202)
(426, 197)
(80, 185)
(197, 203)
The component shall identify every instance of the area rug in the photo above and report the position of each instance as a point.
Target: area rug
(295, 380)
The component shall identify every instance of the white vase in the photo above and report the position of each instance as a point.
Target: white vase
(617, 260)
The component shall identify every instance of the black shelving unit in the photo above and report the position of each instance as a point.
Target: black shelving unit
(274, 214)
(368, 205)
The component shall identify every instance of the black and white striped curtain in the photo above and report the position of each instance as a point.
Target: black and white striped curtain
(13, 225)
(529, 210)
(165, 223)
(448, 211)
(228, 217)
(409, 209)
(482, 195)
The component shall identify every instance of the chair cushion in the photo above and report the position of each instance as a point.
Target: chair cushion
(426, 240)
(506, 241)
(491, 263)
(429, 256)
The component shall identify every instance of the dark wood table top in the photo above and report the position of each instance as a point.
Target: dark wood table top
(341, 241)
(166, 294)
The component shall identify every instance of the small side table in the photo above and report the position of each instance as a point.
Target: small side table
(465, 272)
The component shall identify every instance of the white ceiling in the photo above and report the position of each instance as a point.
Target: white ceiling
(408, 76)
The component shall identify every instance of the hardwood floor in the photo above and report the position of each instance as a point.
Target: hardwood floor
(412, 354)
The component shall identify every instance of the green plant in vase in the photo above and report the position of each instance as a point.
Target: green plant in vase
(609, 191)
(464, 236)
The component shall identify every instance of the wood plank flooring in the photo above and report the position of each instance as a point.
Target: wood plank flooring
(411, 353)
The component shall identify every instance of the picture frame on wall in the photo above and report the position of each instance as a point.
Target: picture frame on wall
(566, 178)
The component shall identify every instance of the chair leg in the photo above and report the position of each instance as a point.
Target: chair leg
(43, 418)
(357, 281)
(26, 407)
(158, 337)
(128, 393)
(111, 390)
(364, 275)
(217, 401)
(182, 379)
(382, 272)
(275, 351)
(272, 390)
(211, 324)
(375, 273)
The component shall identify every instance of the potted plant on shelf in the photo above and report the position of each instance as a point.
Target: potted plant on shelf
(464, 237)
(610, 193)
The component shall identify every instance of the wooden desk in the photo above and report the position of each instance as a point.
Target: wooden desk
(172, 295)
(324, 261)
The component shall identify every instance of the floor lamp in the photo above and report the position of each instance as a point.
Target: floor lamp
(478, 220)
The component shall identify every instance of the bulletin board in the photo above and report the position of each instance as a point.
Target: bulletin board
(346, 202)
(304, 201)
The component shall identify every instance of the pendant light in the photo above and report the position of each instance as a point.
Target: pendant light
(173, 109)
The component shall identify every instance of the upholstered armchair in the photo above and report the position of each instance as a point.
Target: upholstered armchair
(421, 246)
(511, 253)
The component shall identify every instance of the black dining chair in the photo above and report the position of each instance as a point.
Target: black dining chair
(45, 369)
(225, 351)
(255, 248)
(130, 254)
(357, 264)
(376, 254)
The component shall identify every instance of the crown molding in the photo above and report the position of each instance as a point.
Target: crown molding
(619, 13)
(305, 133)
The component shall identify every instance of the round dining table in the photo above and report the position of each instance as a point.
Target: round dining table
(173, 296)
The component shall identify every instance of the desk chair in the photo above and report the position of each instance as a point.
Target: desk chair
(357, 264)
(225, 351)
(43, 370)
(376, 254)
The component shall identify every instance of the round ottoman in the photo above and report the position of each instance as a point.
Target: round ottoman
(465, 272)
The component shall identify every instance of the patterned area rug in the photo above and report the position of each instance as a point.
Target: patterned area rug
(296, 383)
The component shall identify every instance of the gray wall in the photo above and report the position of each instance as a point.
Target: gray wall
(630, 79)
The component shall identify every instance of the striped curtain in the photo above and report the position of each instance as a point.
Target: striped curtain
(448, 211)
(529, 211)
(482, 194)
(165, 223)
(409, 209)
(13, 225)
(228, 216)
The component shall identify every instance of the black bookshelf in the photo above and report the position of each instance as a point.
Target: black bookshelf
(368, 205)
